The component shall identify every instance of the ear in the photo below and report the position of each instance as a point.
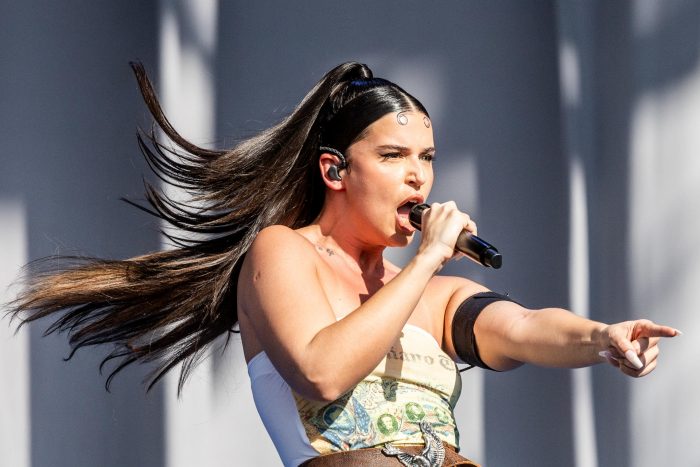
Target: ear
(325, 162)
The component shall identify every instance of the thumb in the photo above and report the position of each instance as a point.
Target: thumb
(624, 347)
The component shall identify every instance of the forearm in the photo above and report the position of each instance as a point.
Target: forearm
(366, 334)
(509, 335)
(554, 337)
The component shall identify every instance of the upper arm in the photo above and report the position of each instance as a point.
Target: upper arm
(280, 293)
(493, 329)
(459, 290)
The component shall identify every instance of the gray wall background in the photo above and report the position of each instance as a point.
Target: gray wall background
(567, 129)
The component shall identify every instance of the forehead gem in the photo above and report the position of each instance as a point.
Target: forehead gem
(426, 122)
(402, 119)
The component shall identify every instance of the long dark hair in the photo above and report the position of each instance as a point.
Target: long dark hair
(168, 306)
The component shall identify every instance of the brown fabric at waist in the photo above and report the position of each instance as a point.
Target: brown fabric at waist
(375, 457)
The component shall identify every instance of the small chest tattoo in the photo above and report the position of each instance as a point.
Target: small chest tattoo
(328, 251)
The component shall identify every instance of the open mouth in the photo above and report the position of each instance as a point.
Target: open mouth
(403, 212)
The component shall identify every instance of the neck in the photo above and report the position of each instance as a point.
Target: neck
(334, 233)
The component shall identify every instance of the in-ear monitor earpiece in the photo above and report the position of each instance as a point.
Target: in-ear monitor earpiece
(334, 170)
(333, 173)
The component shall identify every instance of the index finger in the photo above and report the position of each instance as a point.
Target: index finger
(645, 328)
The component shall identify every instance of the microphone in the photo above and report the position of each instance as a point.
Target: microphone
(474, 247)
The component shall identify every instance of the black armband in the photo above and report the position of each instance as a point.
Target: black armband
(463, 338)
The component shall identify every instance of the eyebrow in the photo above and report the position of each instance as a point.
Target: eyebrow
(396, 147)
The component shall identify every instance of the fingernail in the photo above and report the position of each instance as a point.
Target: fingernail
(606, 354)
(678, 333)
(634, 359)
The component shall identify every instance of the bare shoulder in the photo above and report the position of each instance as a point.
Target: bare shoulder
(275, 235)
(279, 243)
(277, 257)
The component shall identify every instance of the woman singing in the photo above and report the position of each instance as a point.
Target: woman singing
(351, 359)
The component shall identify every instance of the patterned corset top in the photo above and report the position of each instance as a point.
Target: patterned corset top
(415, 381)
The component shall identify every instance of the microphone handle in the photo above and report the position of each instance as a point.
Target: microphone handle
(475, 248)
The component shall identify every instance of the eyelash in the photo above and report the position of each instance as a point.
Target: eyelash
(396, 155)
(391, 155)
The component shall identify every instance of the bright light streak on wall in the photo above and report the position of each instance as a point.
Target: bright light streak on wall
(585, 447)
(14, 348)
(187, 97)
(423, 77)
(569, 74)
(584, 428)
(647, 15)
(650, 16)
(186, 58)
(578, 243)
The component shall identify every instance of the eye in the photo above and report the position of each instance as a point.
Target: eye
(429, 157)
(391, 155)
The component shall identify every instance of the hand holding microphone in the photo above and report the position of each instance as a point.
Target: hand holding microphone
(474, 247)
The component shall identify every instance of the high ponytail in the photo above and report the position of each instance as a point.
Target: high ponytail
(168, 307)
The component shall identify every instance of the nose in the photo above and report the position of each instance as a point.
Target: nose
(417, 172)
